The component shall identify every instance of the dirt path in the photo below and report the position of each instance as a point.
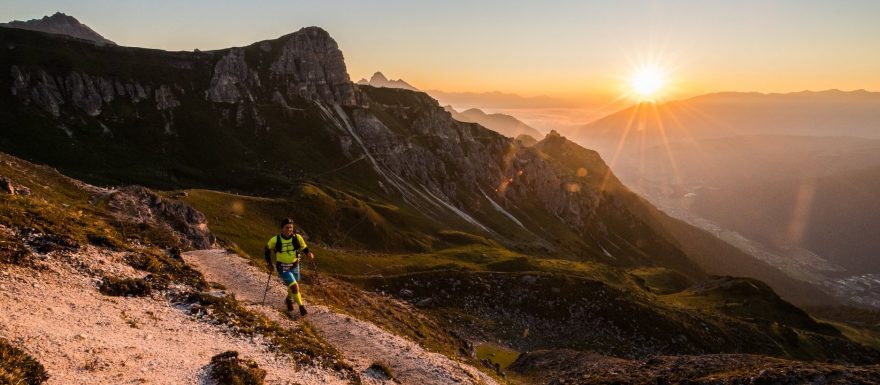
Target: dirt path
(362, 343)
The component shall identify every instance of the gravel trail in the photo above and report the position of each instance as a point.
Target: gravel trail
(361, 343)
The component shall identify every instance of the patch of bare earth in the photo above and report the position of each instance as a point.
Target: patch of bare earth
(54, 312)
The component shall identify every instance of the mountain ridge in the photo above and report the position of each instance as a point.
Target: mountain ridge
(379, 80)
(506, 125)
(60, 24)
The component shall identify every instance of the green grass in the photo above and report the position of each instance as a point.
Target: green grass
(325, 215)
(862, 335)
(661, 280)
(387, 314)
(497, 354)
(247, 223)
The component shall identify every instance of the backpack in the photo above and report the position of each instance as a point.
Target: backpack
(278, 245)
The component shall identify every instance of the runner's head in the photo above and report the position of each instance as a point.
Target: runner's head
(287, 227)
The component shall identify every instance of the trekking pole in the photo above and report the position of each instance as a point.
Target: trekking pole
(315, 271)
(268, 279)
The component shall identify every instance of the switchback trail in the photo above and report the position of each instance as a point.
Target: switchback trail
(361, 343)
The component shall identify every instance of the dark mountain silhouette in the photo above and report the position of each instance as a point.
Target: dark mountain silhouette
(379, 80)
(60, 24)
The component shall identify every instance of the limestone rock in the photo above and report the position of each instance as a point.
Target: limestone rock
(232, 79)
(142, 205)
(311, 65)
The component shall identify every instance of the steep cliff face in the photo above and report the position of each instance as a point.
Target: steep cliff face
(536, 196)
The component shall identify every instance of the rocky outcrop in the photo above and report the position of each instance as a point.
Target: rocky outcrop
(8, 187)
(232, 80)
(165, 99)
(307, 64)
(140, 205)
(86, 93)
(311, 65)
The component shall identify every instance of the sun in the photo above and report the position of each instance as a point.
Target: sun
(648, 82)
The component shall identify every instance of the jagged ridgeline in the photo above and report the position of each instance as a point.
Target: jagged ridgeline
(280, 123)
(264, 118)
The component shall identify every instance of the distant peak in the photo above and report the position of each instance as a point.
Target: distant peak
(380, 80)
(60, 16)
(60, 24)
(474, 111)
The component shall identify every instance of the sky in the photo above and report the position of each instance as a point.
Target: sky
(565, 49)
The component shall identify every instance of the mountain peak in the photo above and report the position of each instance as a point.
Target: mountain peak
(378, 77)
(60, 24)
(380, 80)
(60, 17)
(474, 111)
(553, 135)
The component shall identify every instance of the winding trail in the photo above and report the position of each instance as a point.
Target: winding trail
(361, 343)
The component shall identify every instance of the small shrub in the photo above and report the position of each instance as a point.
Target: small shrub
(104, 241)
(17, 367)
(382, 370)
(14, 252)
(135, 287)
(145, 262)
(168, 268)
(46, 243)
(227, 368)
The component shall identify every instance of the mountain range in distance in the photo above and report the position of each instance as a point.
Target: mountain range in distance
(806, 162)
(379, 80)
(503, 124)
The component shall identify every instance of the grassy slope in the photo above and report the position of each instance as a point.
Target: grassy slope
(466, 255)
